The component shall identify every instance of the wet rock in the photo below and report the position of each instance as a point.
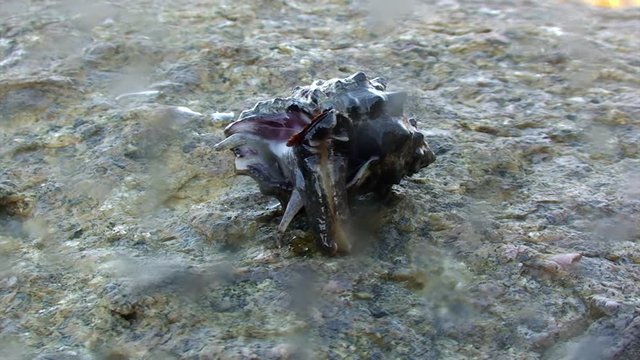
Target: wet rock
(100, 52)
(13, 202)
(220, 226)
(11, 53)
(222, 116)
(32, 98)
(186, 75)
(414, 279)
(602, 305)
(629, 141)
(8, 282)
(148, 95)
(122, 230)
(24, 99)
(106, 54)
(565, 260)
(607, 338)
(285, 351)
(63, 355)
(151, 129)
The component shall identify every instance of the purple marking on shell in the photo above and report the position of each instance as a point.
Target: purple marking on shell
(325, 144)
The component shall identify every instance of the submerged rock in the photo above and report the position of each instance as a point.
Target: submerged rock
(125, 234)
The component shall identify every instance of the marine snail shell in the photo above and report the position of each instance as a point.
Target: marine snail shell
(325, 144)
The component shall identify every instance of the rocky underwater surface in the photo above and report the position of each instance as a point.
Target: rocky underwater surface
(125, 235)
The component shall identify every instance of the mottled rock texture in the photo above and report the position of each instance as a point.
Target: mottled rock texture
(124, 235)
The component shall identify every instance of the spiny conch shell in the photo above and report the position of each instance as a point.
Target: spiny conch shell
(326, 143)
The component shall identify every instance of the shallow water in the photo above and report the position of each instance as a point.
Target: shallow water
(123, 234)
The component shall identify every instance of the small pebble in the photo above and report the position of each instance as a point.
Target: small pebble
(566, 260)
(604, 305)
(362, 296)
(222, 116)
(137, 94)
